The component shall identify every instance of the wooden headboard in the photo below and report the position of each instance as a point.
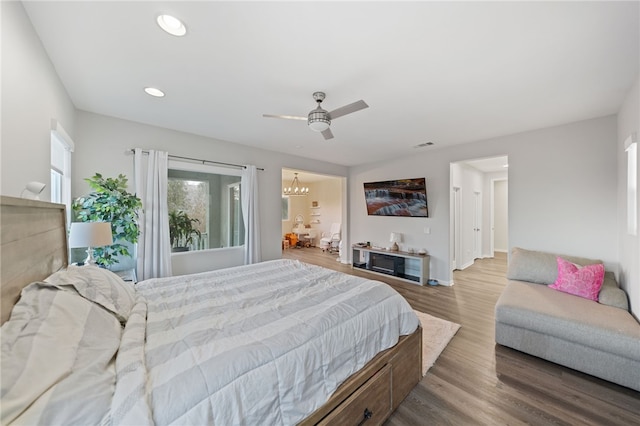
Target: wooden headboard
(33, 245)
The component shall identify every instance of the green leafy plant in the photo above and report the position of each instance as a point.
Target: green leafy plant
(181, 229)
(110, 202)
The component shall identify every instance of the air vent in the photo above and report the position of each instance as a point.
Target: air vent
(422, 145)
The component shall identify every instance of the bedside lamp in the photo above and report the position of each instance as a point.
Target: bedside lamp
(33, 190)
(395, 238)
(89, 235)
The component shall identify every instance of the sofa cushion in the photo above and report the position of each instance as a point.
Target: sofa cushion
(538, 267)
(585, 322)
(584, 281)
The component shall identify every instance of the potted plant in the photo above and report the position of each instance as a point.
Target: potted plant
(110, 202)
(181, 230)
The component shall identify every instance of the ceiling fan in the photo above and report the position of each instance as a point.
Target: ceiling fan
(319, 119)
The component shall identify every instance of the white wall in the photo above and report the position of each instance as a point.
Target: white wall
(102, 143)
(562, 193)
(32, 95)
(500, 215)
(628, 123)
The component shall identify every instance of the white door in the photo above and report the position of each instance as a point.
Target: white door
(477, 222)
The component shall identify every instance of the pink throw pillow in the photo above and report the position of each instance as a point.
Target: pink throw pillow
(583, 281)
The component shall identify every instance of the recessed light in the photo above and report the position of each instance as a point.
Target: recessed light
(172, 25)
(154, 92)
(506, 166)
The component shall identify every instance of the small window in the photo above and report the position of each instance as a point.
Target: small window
(56, 186)
(61, 149)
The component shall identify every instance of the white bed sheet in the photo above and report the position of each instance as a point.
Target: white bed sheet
(261, 344)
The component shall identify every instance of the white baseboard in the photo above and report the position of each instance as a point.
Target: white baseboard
(466, 265)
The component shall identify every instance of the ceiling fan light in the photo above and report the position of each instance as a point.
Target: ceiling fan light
(318, 125)
(318, 120)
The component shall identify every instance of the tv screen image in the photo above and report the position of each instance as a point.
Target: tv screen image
(403, 197)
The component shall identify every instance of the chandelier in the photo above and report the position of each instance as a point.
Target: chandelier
(295, 188)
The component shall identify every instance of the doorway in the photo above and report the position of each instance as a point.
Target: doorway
(478, 217)
(324, 204)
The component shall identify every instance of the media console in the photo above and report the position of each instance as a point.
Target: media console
(405, 266)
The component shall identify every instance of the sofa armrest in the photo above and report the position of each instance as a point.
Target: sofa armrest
(610, 294)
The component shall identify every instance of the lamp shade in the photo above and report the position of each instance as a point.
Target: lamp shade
(396, 237)
(90, 234)
(33, 189)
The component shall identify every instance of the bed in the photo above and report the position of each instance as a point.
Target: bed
(279, 342)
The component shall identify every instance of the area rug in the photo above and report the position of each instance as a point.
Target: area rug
(436, 335)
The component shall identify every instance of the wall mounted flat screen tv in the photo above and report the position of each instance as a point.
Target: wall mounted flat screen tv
(403, 197)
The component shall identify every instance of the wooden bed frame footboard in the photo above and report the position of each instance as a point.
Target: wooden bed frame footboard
(370, 395)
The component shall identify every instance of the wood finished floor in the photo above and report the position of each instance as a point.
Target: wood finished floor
(475, 381)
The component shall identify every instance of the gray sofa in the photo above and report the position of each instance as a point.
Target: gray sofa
(598, 338)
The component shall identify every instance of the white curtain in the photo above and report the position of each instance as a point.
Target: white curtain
(154, 247)
(249, 197)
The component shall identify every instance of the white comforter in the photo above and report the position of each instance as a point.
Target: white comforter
(263, 344)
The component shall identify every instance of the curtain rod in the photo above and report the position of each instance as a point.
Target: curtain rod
(201, 161)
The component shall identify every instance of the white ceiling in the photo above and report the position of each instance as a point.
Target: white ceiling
(446, 72)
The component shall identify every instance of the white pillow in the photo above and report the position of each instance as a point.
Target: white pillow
(98, 285)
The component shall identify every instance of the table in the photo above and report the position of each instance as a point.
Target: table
(406, 266)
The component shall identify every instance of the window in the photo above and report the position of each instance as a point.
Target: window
(285, 207)
(192, 197)
(61, 149)
(211, 196)
(234, 213)
(632, 185)
(56, 186)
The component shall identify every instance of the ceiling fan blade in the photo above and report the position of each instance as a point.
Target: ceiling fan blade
(348, 109)
(327, 134)
(286, 117)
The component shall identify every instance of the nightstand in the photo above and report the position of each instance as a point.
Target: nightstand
(127, 275)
